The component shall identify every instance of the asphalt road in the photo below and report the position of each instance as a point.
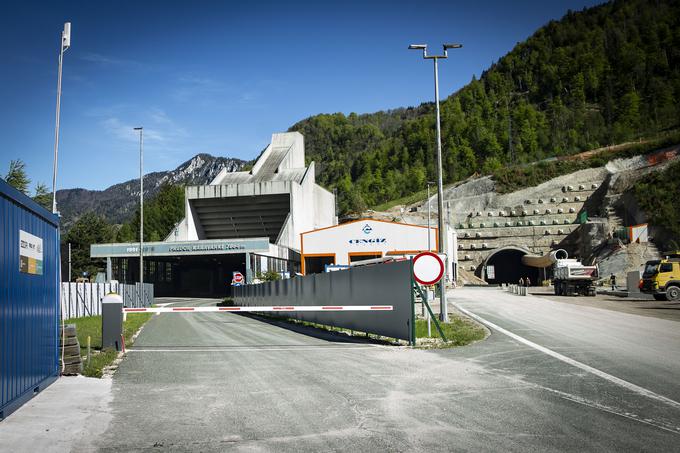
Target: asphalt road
(637, 304)
(221, 381)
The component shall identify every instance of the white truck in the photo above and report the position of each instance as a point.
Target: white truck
(570, 277)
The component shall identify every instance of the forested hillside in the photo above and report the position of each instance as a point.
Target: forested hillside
(604, 75)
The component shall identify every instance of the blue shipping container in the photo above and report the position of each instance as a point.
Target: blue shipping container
(29, 298)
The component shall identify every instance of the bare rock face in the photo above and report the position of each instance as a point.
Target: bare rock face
(117, 203)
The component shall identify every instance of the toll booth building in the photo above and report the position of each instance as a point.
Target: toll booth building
(247, 221)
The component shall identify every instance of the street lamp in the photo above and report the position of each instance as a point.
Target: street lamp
(65, 44)
(141, 214)
(443, 313)
(429, 183)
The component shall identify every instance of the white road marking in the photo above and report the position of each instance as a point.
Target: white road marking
(618, 381)
(579, 400)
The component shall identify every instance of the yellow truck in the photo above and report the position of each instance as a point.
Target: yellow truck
(661, 278)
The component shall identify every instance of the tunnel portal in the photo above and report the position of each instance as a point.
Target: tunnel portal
(505, 266)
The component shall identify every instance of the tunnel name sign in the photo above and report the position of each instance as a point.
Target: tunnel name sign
(428, 268)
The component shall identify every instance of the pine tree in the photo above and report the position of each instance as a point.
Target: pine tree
(89, 229)
(16, 176)
(43, 196)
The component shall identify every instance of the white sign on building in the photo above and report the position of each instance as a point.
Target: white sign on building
(30, 253)
(362, 240)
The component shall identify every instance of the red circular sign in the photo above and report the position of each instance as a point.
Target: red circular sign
(238, 277)
(428, 268)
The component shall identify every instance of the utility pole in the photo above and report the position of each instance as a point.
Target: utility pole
(141, 214)
(65, 44)
(444, 312)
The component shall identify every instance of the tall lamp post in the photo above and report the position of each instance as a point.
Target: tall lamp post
(65, 44)
(444, 312)
(141, 214)
(429, 246)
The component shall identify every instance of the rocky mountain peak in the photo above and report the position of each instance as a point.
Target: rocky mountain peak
(118, 202)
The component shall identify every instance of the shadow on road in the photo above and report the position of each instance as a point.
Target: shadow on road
(315, 332)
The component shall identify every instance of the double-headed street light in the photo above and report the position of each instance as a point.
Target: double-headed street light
(443, 314)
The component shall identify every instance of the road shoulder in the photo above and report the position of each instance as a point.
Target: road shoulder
(66, 416)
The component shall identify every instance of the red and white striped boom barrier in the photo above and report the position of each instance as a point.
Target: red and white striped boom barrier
(282, 308)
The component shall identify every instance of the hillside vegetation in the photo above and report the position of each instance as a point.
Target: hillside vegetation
(605, 75)
(657, 195)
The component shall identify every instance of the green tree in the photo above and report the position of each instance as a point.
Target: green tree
(657, 195)
(89, 229)
(16, 176)
(43, 196)
(596, 77)
(161, 214)
(125, 233)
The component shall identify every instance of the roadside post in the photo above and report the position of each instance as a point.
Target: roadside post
(427, 268)
(112, 321)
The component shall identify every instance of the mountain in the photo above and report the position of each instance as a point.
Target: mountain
(604, 75)
(117, 203)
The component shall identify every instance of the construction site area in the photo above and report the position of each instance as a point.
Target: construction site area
(589, 216)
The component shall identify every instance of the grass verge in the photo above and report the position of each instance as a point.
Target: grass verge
(92, 326)
(459, 331)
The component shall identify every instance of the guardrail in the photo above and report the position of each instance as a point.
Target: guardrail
(85, 299)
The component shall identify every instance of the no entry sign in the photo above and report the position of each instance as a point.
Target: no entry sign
(428, 268)
(237, 279)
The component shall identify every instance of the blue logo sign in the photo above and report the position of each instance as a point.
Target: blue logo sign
(367, 229)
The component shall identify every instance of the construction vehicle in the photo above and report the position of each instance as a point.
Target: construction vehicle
(661, 278)
(570, 276)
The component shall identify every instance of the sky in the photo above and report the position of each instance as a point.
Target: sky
(220, 77)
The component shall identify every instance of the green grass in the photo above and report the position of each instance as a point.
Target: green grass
(406, 200)
(92, 326)
(458, 331)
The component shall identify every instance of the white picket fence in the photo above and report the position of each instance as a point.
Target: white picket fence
(85, 299)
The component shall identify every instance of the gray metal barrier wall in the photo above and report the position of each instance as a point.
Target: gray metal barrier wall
(382, 284)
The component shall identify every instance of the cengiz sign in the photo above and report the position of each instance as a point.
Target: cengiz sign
(214, 247)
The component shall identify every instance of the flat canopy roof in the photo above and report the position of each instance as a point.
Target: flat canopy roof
(181, 248)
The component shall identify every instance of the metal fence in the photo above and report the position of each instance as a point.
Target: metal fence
(85, 299)
(382, 284)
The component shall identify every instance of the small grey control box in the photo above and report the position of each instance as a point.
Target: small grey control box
(112, 322)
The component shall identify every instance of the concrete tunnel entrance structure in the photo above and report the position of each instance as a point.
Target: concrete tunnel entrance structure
(243, 221)
(505, 266)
